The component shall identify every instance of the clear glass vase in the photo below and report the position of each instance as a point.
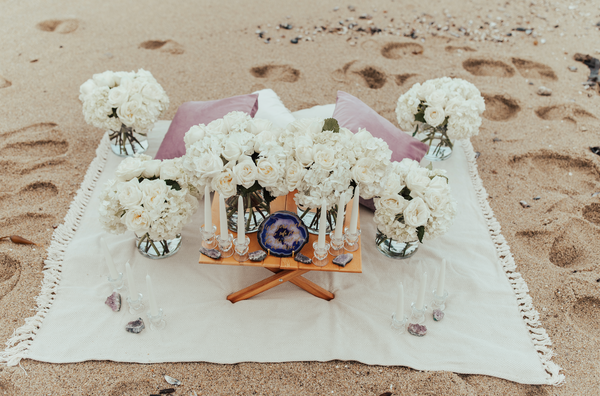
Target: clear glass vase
(440, 145)
(310, 217)
(394, 249)
(157, 249)
(126, 142)
(256, 210)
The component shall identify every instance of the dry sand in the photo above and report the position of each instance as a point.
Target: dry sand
(530, 145)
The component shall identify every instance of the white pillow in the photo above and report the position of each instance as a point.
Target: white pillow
(271, 108)
(324, 111)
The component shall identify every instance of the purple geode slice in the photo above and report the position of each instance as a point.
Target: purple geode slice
(343, 259)
(417, 329)
(438, 315)
(136, 326)
(302, 259)
(258, 255)
(114, 301)
(212, 253)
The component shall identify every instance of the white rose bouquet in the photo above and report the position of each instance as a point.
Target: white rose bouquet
(124, 103)
(325, 160)
(237, 155)
(416, 203)
(149, 197)
(439, 111)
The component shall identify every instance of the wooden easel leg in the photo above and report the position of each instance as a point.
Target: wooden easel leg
(265, 284)
(309, 286)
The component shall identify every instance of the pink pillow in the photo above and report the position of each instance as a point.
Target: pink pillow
(352, 113)
(194, 113)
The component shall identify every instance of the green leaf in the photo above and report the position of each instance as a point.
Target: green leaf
(243, 191)
(268, 197)
(416, 130)
(420, 233)
(331, 124)
(420, 117)
(173, 184)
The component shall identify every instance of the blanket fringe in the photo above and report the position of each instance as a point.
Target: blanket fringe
(539, 336)
(19, 343)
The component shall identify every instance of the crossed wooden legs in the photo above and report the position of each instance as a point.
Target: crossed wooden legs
(280, 277)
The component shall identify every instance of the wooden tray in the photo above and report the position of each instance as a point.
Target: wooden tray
(285, 263)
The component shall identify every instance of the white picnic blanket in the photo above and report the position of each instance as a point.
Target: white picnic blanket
(490, 326)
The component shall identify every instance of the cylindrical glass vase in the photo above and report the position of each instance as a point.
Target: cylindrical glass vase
(394, 249)
(157, 249)
(311, 217)
(440, 145)
(256, 210)
(126, 142)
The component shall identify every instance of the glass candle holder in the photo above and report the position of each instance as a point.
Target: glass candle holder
(226, 245)
(320, 257)
(399, 324)
(135, 306)
(117, 284)
(439, 301)
(418, 315)
(351, 239)
(208, 237)
(241, 249)
(156, 321)
(336, 246)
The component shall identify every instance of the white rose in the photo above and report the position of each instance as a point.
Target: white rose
(170, 170)
(127, 111)
(416, 213)
(232, 150)
(393, 202)
(294, 174)
(417, 181)
(304, 151)
(155, 195)
(208, 165)
(438, 183)
(130, 193)
(153, 92)
(236, 120)
(392, 184)
(151, 169)
(364, 171)
(437, 200)
(437, 98)
(129, 168)
(106, 79)
(87, 87)
(137, 219)
(267, 173)
(434, 116)
(197, 132)
(225, 184)
(245, 173)
(325, 157)
(117, 96)
(217, 126)
(259, 125)
(262, 139)
(425, 90)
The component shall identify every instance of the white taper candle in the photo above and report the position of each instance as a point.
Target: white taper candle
(241, 224)
(207, 210)
(442, 279)
(322, 227)
(132, 292)
(223, 218)
(400, 307)
(421, 298)
(354, 217)
(151, 297)
(339, 221)
(114, 274)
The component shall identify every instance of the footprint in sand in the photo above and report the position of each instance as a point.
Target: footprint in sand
(6, 388)
(537, 242)
(4, 83)
(63, 26)
(566, 112)
(368, 76)
(452, 48)
(585, 314)
(576, 246)
(37, 141)
(487, 67)
(399, 50)
(500, 107)
(36, 192)
(401, 79)
(132, 388)
(553, 171)
(530, 69)
(283, 73)
(10, 272)
(168, 46)
(592, 213)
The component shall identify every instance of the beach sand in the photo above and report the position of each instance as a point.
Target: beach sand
(530, 146)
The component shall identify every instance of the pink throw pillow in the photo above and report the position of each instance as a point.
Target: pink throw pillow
(352, 113)
(194, 113)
